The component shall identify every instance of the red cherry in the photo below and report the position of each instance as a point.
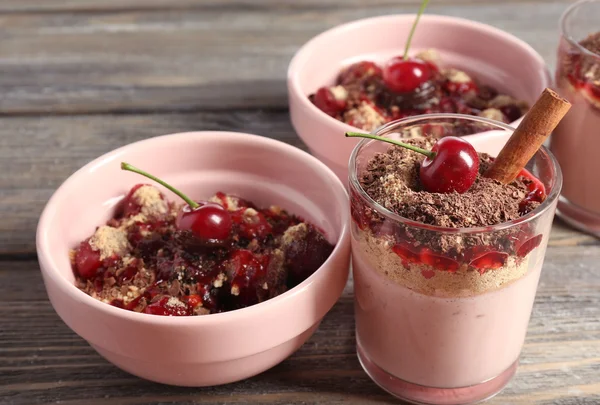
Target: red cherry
(130, 206)
(450, 166)
(87, 260)
(453, 168)
(210, 222)
(511, 112)
(326, 102)
(359, 71)
(405, 76)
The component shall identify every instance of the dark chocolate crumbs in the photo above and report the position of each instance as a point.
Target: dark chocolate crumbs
(392, 180)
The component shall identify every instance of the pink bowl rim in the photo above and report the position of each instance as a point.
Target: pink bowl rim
(49, 267)
(305, 50)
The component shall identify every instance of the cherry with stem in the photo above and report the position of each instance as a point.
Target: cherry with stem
(450, 166)
(209, 222)
(404, 75)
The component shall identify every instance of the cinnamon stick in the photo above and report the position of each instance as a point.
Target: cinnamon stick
(531, 133)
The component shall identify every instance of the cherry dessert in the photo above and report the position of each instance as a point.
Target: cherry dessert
(160, 258)
(449, 203)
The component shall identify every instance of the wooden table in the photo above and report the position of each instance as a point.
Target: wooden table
(81, 77)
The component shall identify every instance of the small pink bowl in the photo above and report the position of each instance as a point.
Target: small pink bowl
(212, 349)
(489, 54)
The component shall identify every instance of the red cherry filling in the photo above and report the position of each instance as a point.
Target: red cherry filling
(529, 245)
(251, 226)
(165, 307)
(87, 260)
(461, 87)
(210, 222)
(537, 191)
(440, 262)
(407, 254)
(489, 261)
(325, 101)
(405, 76)
(193, 300)
(453, 168)
(247, 272)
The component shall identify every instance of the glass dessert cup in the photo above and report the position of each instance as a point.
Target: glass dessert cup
(447, 327)
(576, 140)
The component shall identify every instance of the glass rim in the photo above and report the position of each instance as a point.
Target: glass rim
(537, 212)
(566, 35)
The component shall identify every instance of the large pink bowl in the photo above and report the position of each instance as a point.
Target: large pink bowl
(212, 349)
(489, 54)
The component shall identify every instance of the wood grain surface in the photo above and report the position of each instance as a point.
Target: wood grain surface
(81, 77)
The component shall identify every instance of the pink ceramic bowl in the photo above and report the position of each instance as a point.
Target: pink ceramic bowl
(201, 350)
(489, 54)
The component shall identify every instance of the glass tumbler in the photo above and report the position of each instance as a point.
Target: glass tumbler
(442, 313)
(576, 140)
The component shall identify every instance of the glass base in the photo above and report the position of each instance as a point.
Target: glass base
(422, 395)
(578, 217)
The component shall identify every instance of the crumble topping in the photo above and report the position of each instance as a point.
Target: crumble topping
(492, 114)
(365, 116)
(430, 55)
(339, 92)
(457, 76)
(151, 201)
(109, 241)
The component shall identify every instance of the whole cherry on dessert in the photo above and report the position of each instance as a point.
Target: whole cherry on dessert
(209, 222)
(450, 166)
(404, 75)
(326, 101)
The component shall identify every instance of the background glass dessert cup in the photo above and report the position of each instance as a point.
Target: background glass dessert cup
(576, 141)
(442, 313)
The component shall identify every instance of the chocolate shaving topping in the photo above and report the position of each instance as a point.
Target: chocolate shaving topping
(392, 179)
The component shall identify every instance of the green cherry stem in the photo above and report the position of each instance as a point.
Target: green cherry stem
(414, 27)
(126, 166)
(422, 151)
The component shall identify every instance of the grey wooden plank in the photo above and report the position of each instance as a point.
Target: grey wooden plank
(38, 153)
(203, 57)
(560, 362)
(33, 6)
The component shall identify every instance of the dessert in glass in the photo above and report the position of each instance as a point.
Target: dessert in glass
(576, 140)
(445, 281)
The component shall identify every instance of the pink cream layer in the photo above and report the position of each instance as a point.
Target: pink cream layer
(442, 342)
